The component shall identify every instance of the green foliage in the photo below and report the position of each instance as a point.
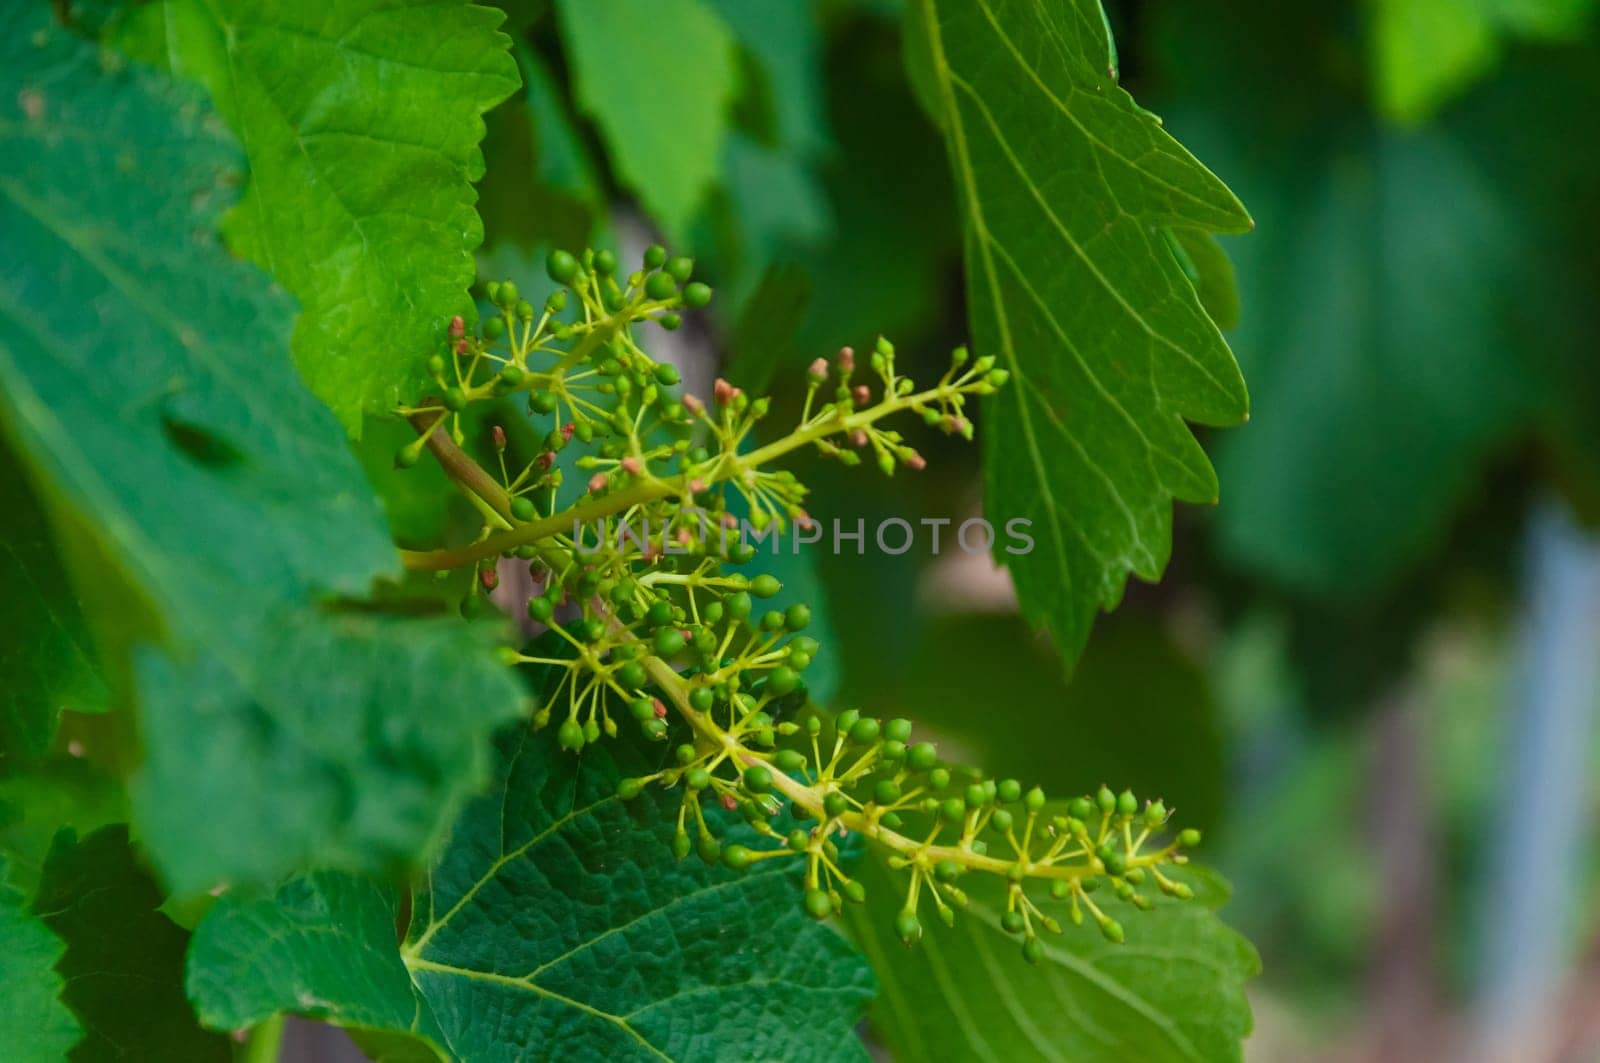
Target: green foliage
(658, 84)
(360, 122)
(123, 966)
(35, 1026)
(1175, 994)
(1066, 184)
(532, 932)
(227, 458)
(46, 651)
(1403, 243)
(1424, 52)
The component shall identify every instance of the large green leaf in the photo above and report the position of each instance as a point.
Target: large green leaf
(46, 653)
(124, 960)
(35, 1026)
(360, 121)
(1173, 992)
(146, 378)
(658, 81)
(557, 923)
(1380, 346)
(1067, 185)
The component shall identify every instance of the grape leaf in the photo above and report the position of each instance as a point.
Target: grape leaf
(146, 380)
(361, 121)
(35, 1026)
(1067, 185)
(1371, 429)
(658, 82)
(556, 922)
(124, 959)
(1173, 991)
(45, 650)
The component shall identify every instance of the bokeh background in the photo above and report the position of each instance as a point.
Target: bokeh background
(1372, 673)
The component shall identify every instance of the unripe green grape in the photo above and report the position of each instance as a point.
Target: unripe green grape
(854, 892)
(1189, 838)
(570, 734)
(655, 729)
(701, 699)
(1080, 808)
(632, 674)
(556, 302)
(1112, 931)
(771, 620)
(886, 791)
(818, 904)
(922, 756)
(1009, 791)
(628, 789)
(799, 661)
(909, 927)
(680, 268)
(542, 402)
(952, 809)
(642, 709)
(1033, 950)
(455, 399)
(737, 857)
(1127, 803)
(659, 286)
(790, 760)
(591, 731)
(738, 604)
(765, 586)
(684, 754)
(782, 680)
(1106, 799)
(524, 310)
(898, 730)
(939, 778)
(1012, 922)
(891, 751)
(522, 507)
(654, 256)
(1034, 801)
(670, 322)
(711, 612)
(864, 731)
(709, 849)
(561, 266)
(976, 796)
(696, 295)
(758, 779)
(835, 805)
(1155, 815)
(667, 641)
(605, 262)
(540, 609)
(666, 374)
(508, 293)
(947, 870)
(680, 845)
(494, 328)
(1001, 820)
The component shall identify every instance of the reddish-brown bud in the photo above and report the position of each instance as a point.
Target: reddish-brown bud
(847, 361)
(632, 465)
(597, 483)
(862, 394)
(499, 437)
(458, 327)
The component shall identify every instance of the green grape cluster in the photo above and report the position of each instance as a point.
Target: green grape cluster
(656, 621)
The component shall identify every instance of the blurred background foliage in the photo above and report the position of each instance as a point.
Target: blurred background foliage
(1370, 673)
(1334, 676)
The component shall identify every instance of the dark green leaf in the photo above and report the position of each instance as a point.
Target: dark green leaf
(556, 922)
(46, 653)
(1378, 344)
(1067, 185)
(659, 88)
(37, 803)
(124, 960)
(145, 378)
(1173, 992)
(361, 123)
(35, 1026)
